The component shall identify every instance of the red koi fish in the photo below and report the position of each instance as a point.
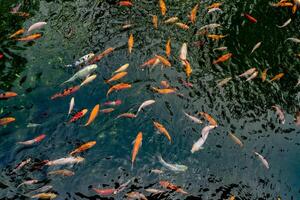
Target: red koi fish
(78, 115)
(125, 3)
(106, 192)
(1, 56)
(113, 103)
(250, 18)
(66, 92)
(33, 141)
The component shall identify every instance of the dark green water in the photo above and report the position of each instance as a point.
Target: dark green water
(36, 69)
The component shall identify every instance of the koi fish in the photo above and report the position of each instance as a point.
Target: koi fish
(116, 77)
(113, 103)
(22, 14)
(172, 167)
(255, 47)
(249, 17)
(117, 87)
(43, 189)
(78, 115)
(262, 159)
(102, 55)
(280, 114)
(88, 79)
(84, 59)
(1, 56)
(264, 75)
(165, 84)
(236, 139)
(187, 68)
(7, 95)
(296, 40)
(45, 196)
(214, 5)
(83, 147)
(155, 21)
(161, 129)
(285, 23)
(220, 49)
(145, 104)
(170, 186)
(127, 26)
(163, 60)
(171, 20)
(130, 43)
(106, 192)
(29, 182)
(209, 118)
(216, 37)
(154, 191)
(223, 58)
(121, 69)
(168, 48)
(192, 118)
(183, 52)
(126, 115)
(156, 171)
(22, 164)
(248, 72)
(232, 198)
(6, 120)
(277, 77)
(137, 143)
(33, 141)
(125, 3)
(18, 32)
(224, 81)
(182, 25)
(65, 161)
(204, 134)
(253, 76)
(30, 37)
(209, 26)
(151, 62)
(107, 110)
(72, 103)
(36, 26)
(136, 195)
(193, 14)
(66, 92)
(163, 7)
(82, 73)
(93, 115)
(164, 91)
(63, 172)
(32, 125)
(15, 9)
(214, 10)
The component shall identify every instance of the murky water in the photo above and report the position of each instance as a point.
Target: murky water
(36, 69)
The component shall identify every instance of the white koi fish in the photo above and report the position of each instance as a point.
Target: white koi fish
(263, 160)
(172, 167)
(65, 161)
(143, 105)
(82, 73)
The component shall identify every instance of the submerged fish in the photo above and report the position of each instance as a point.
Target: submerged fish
(214, 5)
(78, 115)
(264, 75)
(204, 134)
(171, 20)
(172, 167)
(262, 159)
(209, 118)
(168, 47)
(223, 58)
(101, 55)
(72, 103)
(83, 147)
(155, 21)
(171, 186)
(116, 77)
(7, 95)
(151, 62)
(224, 81)
(130, 43)
(161, 129)
(163, 60)
(296, 40)
(235, 139)
(163, 7)
(6, 120)
(136, 196)
(248, 72)
(216, 37)
(93, 115)
(193, 14)
(285, 23)
(18, 32)
(253, 76)
(45, 196)
(30, 37)
(117, 87)
(22, 164)
(84, 59)
(214, 10)
(63, 172)
(107, 110)
(113, 103)
(156, 171)
(249, 17)
(255, 47)
(220, 49)
(210, 26)
(86, 71)
(137, 143)
(126, 115)
(65, 161)
(36, 26)
(154, 191)
(88, 79)
(182, 25)
(277, 77)
(33, 141)
(187, 68)
(280, 114)
(122, 68)
(29, 182)
(66, 92)
(164, 91)
(145, 104)
(192, 118)
(183, 52)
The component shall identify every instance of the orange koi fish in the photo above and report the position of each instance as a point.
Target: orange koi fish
(182, 26)
(164, 91)
(102, 55)
(277, 77)
(216, 37)
(6, 120)
(209, 118)
(116, 77)
(7, 95)
(117, 87)
(130, 43)
(214, 5)
(163, 7)
(168, 48)
(249, 17)
(66, 92)
(193, 14)
(78, 115)
(18, 32)
(223, 58)
(161, 129)
(163, 60)
(83, 147)
(30, 37)
(187, 68)
(264, 75)
(151, 62)
(155, 21)
(171, 186)
(137, 143)
(93, 115)
(33, 141)
(126, 115)
(125, 3)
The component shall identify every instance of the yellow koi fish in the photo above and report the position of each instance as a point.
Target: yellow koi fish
(130, 43)
(116, 77)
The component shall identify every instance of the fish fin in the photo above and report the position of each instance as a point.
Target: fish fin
(133, 141)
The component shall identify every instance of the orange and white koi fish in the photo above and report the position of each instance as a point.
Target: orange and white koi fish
(117, 87)
(30, 37)
(280, 114)
(163, 7)
(164, 91)
(122, 68)
(83, 147)
(78, 115)
(22, 164)
(113, 103)
(161, 129)
(248, 72)
(66, 92)
(102, 55)
(93, 115)
(216, 37)
(277, 77)
(33, 141)
(154, 191)
(151, 62)
(163, 60)
(18, 32)
(116, 77)
(155, 21)
(29, 182)
(209, 118)
(168, 48)
(7, 95)
(193, 14)
(63, 172)
(223, 58)
(182, 26)
(253, 76)
(65, 161)
(6, 120)
(126, 115)
(187, 68)
(130, 43)
(137, 143)
(214, 5)
(236, 139)
(170, 186)
(171, 20)
(88, 79)
(107, 110)
(45, 196)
